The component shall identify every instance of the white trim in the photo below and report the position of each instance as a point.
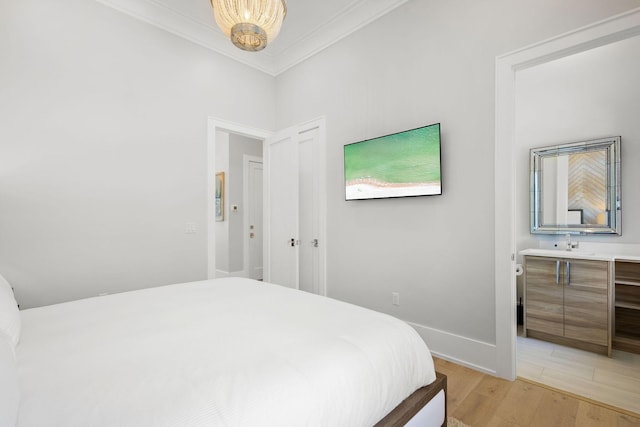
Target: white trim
(222, 273)
(245, 214)
(205, 34)
(465, 351)
(341, 25)
(213, 125)
(616, 28)
(272, 61)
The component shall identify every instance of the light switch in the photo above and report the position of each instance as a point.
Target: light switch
(395, 298)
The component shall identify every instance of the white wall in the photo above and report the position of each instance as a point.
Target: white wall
(425, 62)
(103, 140)
(585, 96)
(103, 130)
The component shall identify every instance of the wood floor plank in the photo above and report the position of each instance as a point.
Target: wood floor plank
(529, 370)
(628, 421)
(481, 400)
(584, 372)
(477, 409)
(595, 416)
(620, 362)
(556, 410)
(496, 421)
(511, 409)
(494, 387)
(460, 381)
(614, 381)
(607, 394)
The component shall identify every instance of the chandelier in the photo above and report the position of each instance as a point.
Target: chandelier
(250, 24)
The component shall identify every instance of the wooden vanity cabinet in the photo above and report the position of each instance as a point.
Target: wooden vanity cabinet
(568, 301)
(544, 296)
(627, 306)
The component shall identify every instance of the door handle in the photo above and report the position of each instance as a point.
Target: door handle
(557, 272)
(568, 273)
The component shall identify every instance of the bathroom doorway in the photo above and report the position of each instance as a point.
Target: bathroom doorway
(594, 106)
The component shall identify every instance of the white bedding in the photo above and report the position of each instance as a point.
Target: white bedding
(225, 352)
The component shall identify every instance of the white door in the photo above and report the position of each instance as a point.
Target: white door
(295, 205)
(308, 209)
(254, 213)
(282, 209)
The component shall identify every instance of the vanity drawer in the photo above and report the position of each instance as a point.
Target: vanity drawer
(587, 274)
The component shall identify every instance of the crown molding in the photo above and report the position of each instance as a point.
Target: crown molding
(340, 27)
(184, 26)
(350, 19)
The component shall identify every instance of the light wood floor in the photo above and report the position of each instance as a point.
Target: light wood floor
(614, 381)
(481, 400)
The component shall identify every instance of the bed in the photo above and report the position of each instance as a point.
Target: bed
(223, 352)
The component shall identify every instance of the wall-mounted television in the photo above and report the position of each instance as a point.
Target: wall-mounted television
(402, 164)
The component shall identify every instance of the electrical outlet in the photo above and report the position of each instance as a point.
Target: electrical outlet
(395, 298)
(190, 228)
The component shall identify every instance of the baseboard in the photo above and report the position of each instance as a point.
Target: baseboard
(468, 352)
(220, 274)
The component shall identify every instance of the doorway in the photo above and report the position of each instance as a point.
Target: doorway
(507, 157)
(277, 233)
(219, 132)
(580, 96)
(230, 226)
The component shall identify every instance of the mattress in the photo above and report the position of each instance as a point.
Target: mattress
(224, 352)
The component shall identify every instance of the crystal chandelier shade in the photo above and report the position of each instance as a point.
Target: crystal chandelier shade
(250, 24)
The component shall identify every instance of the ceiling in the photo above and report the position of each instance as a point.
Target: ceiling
(309, 27)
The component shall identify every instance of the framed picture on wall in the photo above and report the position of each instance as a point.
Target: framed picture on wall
(219, 197)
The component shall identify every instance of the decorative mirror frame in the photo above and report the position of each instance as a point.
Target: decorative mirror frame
(611, 146)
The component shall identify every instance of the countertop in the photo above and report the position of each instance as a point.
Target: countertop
(579, 254)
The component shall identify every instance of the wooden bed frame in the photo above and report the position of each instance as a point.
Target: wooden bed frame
(415, 402)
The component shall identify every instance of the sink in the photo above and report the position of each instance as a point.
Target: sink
(557, 253)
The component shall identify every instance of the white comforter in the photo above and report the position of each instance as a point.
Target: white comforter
(226, 352)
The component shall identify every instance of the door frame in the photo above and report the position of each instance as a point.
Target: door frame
(246, 159)
(214, 125)
(607, 31)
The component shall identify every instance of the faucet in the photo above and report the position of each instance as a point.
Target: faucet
(569, 244)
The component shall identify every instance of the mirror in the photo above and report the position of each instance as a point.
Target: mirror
(575, 188)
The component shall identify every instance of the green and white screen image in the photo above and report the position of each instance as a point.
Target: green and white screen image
(397, 165)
